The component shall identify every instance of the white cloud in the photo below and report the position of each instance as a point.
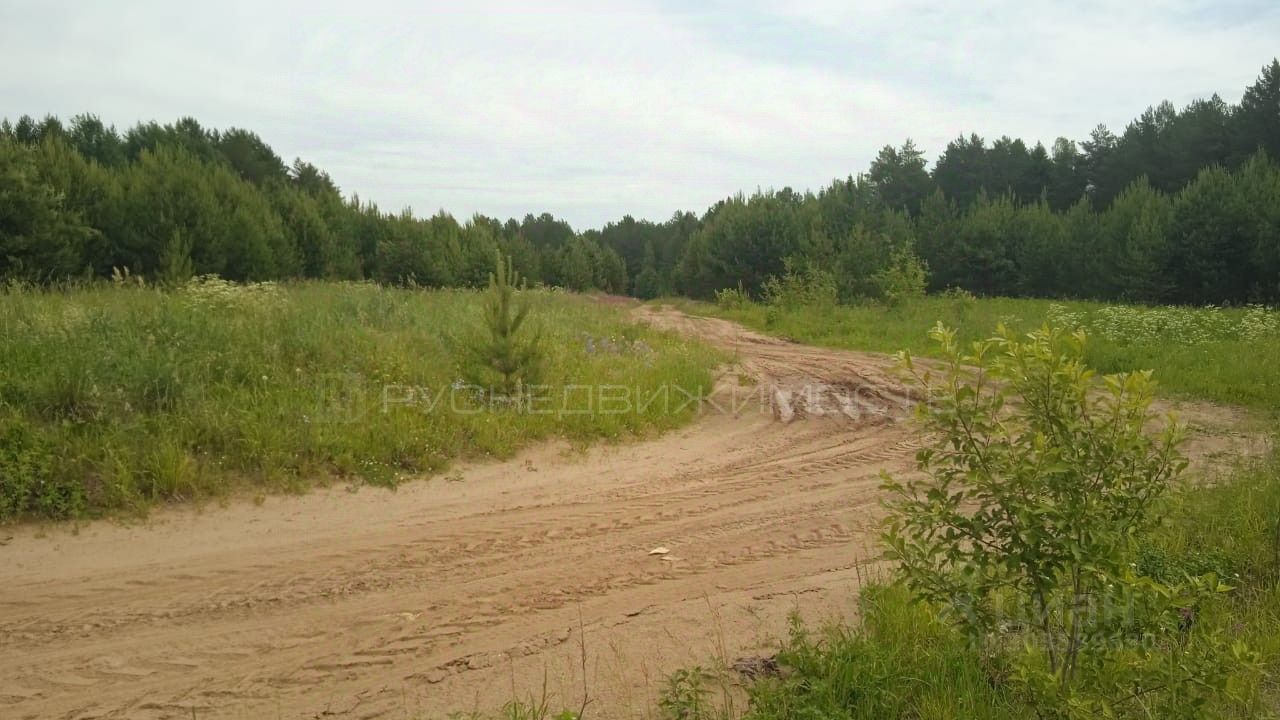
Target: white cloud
(591, 113)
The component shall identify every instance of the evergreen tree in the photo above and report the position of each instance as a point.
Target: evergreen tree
(95, 141)
(251, 158)
(577, 271)
(1258, 185)
(1040, 249)
(477, 246)
(1209, 245)
(1257, 120)
(90, 192)
(1136, 231)
(1084, 264)
(964, 170)
(648, 284)
(985, 247)
(308, 233)
(1099, 164)
(612, 270)
(899, 177)
(746, 240)
(175, 267)
(507, 359)
(936, 240)
(1067, 177)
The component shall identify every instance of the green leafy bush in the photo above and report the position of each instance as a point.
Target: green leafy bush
(685, 696)
(732, 298)
(1023, 528)
(904, 279)
(29, 479)
(804, 284)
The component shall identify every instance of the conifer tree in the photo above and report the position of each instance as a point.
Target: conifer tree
(175, 267)
(508, 358)
(648, 283)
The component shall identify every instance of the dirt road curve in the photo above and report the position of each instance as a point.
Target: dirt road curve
(451, 596)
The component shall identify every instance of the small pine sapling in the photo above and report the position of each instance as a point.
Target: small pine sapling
(507, 358)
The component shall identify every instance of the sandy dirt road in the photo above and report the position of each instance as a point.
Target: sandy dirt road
(525, 577)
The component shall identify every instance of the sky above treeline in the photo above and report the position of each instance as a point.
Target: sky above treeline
(595, 110)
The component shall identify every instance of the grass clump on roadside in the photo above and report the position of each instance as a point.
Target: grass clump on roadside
(113, 397)
(901, 661)
(1221, 354)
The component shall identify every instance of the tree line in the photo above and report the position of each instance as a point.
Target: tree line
(1183, 206)
(170, 201)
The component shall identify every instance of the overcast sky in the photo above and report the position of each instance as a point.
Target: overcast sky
(596, 110)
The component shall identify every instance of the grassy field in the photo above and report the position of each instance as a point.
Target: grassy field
(1225, 355)
(116, 397)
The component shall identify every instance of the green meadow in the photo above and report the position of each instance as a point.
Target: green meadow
(115, 396)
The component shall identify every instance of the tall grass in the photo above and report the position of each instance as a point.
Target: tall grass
(112, 398)
(1222, 354)
(900, 661)
(1233, 528)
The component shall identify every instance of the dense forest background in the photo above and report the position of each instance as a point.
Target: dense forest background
(1182, 207)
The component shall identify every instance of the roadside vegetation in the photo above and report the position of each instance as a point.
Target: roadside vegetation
(905, 658)
(1211, 353)
(115, 396)
(1185, 612)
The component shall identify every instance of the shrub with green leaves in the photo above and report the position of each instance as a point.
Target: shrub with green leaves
(732, 298)
(1035, 485)
(804, 284)
(29, 473)
(905, 277)
(684, 697)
